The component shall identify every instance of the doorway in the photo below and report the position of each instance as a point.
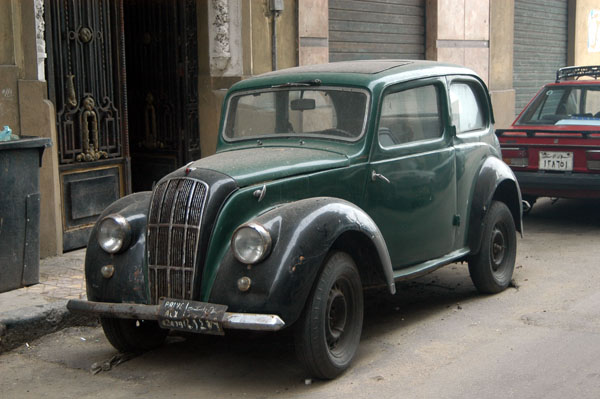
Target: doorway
(162, 87)
(123, 77)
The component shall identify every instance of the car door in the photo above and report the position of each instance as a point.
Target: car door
(471, 116)
(411, 194)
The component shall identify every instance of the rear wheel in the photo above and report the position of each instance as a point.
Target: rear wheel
(328, 332)
(128, 335)
(491, 269)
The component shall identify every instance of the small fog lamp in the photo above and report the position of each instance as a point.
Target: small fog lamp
(107, 271)
(244, 284)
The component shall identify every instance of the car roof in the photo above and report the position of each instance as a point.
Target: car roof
(358, 73)
(363, 66)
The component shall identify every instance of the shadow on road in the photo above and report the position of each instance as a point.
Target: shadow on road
(265, 361)
(563, 214)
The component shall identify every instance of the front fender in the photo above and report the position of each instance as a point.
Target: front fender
(128, 283)
(496, 181)
(303, 232)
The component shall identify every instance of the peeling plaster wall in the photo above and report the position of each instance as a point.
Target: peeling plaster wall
(584, 32)
(313, 32)
(260, 20)
(459, 33)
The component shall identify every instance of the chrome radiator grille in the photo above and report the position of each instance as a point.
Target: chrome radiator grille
(176, 211)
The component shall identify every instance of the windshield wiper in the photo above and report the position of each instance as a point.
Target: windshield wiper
(314, 82)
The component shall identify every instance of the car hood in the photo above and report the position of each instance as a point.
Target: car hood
(256, 165)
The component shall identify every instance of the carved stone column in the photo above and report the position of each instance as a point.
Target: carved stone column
(40, 26)
(224, 18)
(220, 49)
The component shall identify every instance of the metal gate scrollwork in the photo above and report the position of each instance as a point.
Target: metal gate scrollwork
(84, 80)
(86, 86)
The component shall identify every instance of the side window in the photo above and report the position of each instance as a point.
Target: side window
(410, 115)
(467, 112)
(592, 103)
(572, 102)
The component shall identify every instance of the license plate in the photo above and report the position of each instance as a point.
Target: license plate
(553, 160)
(192, 316)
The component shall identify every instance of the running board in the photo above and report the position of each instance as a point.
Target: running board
(429, 266)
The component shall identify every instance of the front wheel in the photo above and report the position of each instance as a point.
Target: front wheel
(491, 269)
(328, 332)
(128, 335)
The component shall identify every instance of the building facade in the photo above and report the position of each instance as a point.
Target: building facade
(129, 90)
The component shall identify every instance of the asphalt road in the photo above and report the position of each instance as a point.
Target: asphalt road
(437, 338)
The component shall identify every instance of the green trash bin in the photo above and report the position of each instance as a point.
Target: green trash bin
(20, 161)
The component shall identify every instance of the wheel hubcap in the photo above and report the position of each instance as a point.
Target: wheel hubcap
(337, 312)
(498, 247)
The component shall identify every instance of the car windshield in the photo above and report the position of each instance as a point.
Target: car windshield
(564, 105)
(338, 113)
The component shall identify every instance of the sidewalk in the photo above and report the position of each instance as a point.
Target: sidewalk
(30, 312)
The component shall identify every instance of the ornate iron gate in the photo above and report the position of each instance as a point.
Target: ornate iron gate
(93, 91)
(84, 81)
(162, 83)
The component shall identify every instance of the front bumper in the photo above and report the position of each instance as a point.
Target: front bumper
(240, 321)
(573, 185)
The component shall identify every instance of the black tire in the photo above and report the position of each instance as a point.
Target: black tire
(328, 332)
(491, 269)
(128, 335)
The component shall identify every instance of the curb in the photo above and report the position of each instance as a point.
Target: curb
(24, 325)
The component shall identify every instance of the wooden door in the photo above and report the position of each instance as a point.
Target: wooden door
(85, 64)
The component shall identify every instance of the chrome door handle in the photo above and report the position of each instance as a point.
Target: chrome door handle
(375, 176)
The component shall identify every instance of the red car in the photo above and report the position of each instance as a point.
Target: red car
(554, 144)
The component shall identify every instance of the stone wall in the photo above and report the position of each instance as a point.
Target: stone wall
(24, 105)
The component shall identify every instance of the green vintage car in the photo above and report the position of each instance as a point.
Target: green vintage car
(327, 179)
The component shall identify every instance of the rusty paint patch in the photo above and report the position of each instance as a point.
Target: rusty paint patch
(301, 260)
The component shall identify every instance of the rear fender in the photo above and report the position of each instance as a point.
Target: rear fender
(496, 181)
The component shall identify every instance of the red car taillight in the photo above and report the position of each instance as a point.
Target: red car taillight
(516, 157)
(593, 159)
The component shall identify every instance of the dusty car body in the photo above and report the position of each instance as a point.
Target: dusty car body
(327, 179)
(553, 146)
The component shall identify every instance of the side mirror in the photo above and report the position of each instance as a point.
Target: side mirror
(303, 104)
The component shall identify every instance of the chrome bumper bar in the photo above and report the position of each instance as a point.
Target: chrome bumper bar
(239, 321)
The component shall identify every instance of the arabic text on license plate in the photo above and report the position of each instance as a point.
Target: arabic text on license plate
(552, 160)
(191, 316)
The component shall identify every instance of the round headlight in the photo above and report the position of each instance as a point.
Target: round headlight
(251, 243)
(114, 233)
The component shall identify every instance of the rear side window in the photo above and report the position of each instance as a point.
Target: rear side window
(467, 112)
(592, 103)
(410, 115)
